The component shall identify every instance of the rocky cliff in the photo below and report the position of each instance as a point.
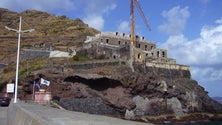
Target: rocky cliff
(149, 94)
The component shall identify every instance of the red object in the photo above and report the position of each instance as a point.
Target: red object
(42, 97)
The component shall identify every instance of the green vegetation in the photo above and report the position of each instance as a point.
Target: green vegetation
(131, 83)
(25, 68)
(81, 56)
(1, 86)
(101, 57)
(75, 58)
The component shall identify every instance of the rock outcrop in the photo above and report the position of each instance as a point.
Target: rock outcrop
(134, 95)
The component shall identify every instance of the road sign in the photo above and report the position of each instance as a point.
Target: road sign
(10, 88)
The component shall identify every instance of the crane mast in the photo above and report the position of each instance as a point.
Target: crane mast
(132, 22)
(134, 4)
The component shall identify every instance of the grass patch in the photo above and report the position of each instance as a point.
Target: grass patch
(26, 67)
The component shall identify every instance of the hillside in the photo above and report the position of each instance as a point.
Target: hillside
(58, 31)
(99, 85)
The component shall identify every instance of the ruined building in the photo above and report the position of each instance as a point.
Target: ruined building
(115, 45)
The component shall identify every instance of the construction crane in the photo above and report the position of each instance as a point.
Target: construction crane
(133, 4)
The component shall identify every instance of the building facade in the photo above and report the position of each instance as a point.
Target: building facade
(116, 45)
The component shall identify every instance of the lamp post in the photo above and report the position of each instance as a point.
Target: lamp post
(19, 31)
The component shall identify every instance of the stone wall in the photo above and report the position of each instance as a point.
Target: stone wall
(167, 66)
(116, 38)
(95, 64)
(28, 54)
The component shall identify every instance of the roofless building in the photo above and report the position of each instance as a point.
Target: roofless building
(115, 45)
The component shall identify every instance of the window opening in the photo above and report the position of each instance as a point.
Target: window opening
(158, 54)
(138, 45)
(163, 54)
(107, 40)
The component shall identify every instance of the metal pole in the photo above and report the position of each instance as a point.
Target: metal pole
(18, 51)
(33, 91)
(17, 62)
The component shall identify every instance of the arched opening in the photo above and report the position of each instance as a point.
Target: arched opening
(163, 54)
(139, 56)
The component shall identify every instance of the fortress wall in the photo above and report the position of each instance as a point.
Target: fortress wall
(167, 66)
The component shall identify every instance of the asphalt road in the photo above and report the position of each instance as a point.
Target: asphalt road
(3, 115)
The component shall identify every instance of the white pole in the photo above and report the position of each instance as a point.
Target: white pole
(17, 62)
(18, 51)
(33, 91)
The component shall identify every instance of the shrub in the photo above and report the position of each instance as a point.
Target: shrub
(75, 58)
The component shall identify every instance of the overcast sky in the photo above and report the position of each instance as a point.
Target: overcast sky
(191, 30)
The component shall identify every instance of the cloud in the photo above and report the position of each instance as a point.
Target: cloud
(99, 6)
(176, 20)
(203, 54)
(219, 21)
(43, 5)
(204, 1)
(109, 8)
(93, 12)
(96, 10)
(95, 21)
(124, 27)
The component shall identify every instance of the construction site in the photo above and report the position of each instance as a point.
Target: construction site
(115, 45)
(129, 48)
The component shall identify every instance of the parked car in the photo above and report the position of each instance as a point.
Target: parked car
(5, 101)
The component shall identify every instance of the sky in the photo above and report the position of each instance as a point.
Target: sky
(191, 30)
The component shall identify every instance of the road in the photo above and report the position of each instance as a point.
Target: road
(3, 115)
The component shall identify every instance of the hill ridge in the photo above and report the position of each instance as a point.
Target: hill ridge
(57, 31)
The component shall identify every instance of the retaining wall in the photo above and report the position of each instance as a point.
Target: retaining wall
(32, 114)
(167, 66)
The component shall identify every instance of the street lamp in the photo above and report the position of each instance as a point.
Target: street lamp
(18, 50)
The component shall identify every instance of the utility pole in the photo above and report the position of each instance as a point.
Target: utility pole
(19, 31)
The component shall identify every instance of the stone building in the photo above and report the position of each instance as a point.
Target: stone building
(116, 45)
